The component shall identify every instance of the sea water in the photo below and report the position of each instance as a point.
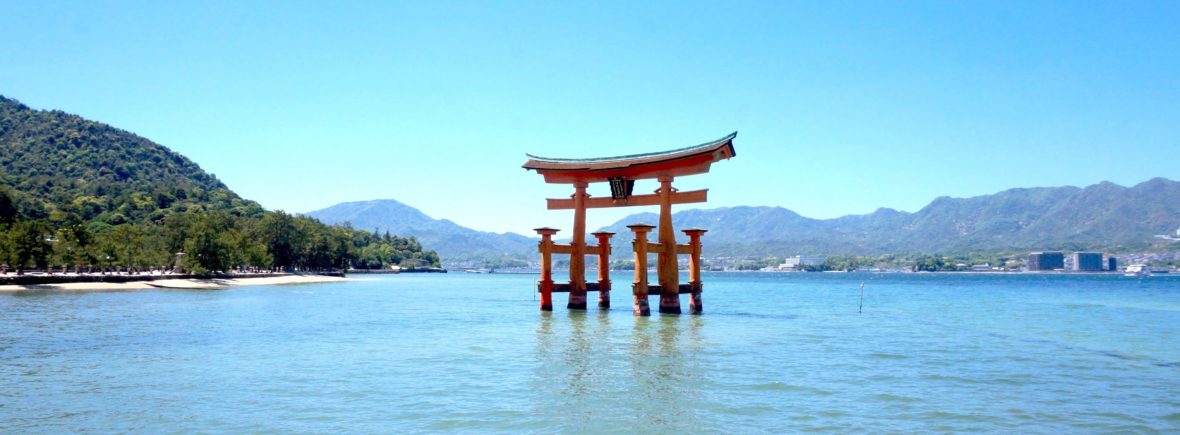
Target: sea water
(472, 353)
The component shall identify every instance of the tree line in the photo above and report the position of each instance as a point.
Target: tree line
(197, 240)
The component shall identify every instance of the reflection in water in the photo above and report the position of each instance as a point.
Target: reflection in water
(577, 356)
(545, 332)
(662, 369)
(602, 330)
(540, 381)
(568, 357)
(644, 370)
(694, 333)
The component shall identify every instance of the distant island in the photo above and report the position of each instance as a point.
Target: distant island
(77, 195)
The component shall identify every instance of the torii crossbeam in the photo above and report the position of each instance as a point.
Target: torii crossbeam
(621, 173)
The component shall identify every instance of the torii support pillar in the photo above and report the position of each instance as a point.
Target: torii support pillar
(603, 268)
(546, 283)
(639, 288)
(695, 306)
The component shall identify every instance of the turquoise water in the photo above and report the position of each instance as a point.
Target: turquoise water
(471, 353)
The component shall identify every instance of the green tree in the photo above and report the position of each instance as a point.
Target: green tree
(209, 248)
(929, 263)
(31, 244)
(8, 210)
(278, 234)
(74, 240)
(128, 241)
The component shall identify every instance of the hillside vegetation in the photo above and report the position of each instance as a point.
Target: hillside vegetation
(80, 194)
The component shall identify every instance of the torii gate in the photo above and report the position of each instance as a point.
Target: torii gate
(621, 173)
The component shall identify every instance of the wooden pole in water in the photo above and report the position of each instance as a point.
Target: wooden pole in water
(862, 298)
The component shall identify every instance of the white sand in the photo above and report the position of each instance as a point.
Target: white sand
(176, 283)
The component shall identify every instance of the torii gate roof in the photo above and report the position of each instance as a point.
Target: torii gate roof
(679, 162)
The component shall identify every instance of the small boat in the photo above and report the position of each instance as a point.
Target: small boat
(1137, 270)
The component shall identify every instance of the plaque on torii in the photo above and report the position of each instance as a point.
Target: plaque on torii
(621, 173)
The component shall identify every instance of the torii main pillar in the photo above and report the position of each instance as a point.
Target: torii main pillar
(578, 255)
(621, 173)
(668, 267)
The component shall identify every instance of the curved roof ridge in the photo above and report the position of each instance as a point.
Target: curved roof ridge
(728, 137)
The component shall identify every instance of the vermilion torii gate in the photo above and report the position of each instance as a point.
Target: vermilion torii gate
(621, 173)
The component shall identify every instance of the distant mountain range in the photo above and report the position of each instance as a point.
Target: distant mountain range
(453, 242)
(1103, 216)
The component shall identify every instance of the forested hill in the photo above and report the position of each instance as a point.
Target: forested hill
(57, 160)
(83, 194)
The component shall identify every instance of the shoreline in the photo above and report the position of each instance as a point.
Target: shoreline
(177, 283)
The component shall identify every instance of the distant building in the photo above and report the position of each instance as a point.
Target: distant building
(1112, 264)
(792, 263)
(1046, 260)
(1087, 261)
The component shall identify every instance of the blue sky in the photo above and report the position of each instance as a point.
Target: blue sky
(841, 107)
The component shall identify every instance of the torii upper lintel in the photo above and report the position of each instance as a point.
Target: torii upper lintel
(674, 163)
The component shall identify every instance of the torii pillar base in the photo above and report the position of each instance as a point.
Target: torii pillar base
(670, 304)
(695, 305)
(641, 308)
(604, 299)
(577, 301)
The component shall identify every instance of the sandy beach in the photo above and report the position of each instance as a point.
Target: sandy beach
(176, 283)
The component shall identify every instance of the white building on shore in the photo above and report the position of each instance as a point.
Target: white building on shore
(795, 263)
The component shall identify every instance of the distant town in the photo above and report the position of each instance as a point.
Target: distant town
(1039, 261)
(1146, 263)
